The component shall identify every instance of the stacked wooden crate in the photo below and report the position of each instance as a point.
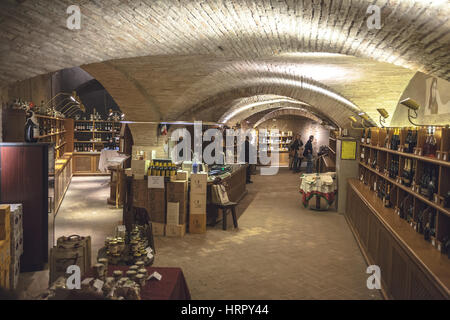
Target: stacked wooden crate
(5, 246)
(16, 227)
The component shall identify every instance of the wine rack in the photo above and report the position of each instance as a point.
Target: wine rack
(56, 131)
(414, 164)
(93, 135)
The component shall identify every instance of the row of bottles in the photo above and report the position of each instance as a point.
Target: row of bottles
(89, 126)
(430, 146)
(47, 127)
(83, 147)
(428, 181)
(393, 168)
(164, 169)
(408, 172)
(410, 141)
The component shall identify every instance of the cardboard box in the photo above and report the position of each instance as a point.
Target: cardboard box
(181, 198)
(178, 186)
(175, 230)
(5, 223)
(182, 175)
(156, 205)
(140, 193)
(199, 182)
(138, 167)
(197, 203)
(158, 229)
(173, 213)
(197, 223)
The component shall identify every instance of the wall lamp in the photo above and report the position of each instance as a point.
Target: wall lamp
(413, 106)
(383, 116)
(353, 121)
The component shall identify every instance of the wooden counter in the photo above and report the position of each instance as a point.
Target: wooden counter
(86, 164)
(63, 177)
(411, 268)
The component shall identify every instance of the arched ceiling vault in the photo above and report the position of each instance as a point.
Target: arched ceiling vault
(204, 87)
(286, 111)
(35, 39)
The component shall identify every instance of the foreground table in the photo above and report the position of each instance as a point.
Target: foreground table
(171, 287)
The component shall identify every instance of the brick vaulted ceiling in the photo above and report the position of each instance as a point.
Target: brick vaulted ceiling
(165, 59)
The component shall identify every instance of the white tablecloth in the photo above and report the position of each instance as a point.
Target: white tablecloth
(110, 158)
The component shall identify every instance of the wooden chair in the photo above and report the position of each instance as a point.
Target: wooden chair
(225, 209)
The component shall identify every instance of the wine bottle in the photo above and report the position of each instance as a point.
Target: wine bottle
(387, 197)
(369, 136)
(363, 135)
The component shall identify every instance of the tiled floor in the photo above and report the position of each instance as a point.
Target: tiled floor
(280, 251)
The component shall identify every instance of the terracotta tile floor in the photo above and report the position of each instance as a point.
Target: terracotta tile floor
(280, 251)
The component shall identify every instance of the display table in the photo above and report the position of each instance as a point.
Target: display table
(171, 287)
(318, 190)
(110, 158)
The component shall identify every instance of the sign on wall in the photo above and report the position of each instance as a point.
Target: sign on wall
(348, 150)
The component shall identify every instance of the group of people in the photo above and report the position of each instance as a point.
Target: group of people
(297, 152)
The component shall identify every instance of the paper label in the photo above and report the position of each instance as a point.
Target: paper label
(155, 275)
(155, 182)
(98, 284)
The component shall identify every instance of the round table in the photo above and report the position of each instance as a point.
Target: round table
(318, 190)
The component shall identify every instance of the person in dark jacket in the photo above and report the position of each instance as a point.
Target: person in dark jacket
(295, 148)
(308, 154)
(248, 147)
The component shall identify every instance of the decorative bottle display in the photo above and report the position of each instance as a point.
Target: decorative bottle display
(410, 141)
(428, 185)
(386, 140)
(408, 173)
(369, 136)
(395, 139)
(393, 168)
(373, 162)
(387, 197)
(430, 146)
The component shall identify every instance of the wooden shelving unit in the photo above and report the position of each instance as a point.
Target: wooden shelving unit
(407, 200)
(57, 131)
(91, 137)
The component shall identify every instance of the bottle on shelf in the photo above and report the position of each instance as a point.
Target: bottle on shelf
(387, 197)
(369, 137)
(363, 135)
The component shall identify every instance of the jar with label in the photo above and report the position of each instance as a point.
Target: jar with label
(134, 268)
(113, 248)
(142, 271)
(137, 257)
(99, 271)
(140, 279)
(121, 245)
(104, 261)
(131, 274)
(117, 274)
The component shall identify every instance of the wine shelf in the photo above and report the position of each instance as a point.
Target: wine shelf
(420, 184)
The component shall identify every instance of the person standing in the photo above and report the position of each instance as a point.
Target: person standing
(248, 147)
(308, 154)
(295, 147)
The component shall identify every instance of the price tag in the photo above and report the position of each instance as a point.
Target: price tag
(155, 275)
(155, 182)
(98, 284)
